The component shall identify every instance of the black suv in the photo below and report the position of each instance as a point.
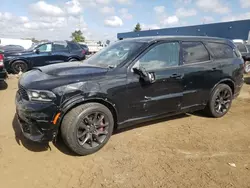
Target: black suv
(130, 81)
(43, 54)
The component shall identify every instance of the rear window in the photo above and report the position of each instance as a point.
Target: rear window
(194, 52)
(74, 46)
(242, 47)
(221, 51)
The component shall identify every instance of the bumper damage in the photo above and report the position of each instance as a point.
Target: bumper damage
(36, 120)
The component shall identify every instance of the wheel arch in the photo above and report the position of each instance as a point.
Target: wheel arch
(79, 102)
(74, 57)
(226, 81)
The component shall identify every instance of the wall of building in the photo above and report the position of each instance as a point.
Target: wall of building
(22, 42)
(230, 30)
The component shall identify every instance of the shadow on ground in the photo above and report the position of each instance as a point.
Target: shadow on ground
(3, 85)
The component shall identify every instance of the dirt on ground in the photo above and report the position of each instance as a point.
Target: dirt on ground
(189, 150)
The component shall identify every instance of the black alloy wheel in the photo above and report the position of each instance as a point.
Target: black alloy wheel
(92, 130)
(223, 101)
(220, 101)
(87, 128)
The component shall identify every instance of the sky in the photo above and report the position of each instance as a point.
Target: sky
(103, 19)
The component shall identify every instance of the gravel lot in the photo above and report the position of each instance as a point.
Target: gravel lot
(183, 151)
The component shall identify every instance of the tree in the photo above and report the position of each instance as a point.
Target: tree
(137, 27)
(77, 36)
(107, 42)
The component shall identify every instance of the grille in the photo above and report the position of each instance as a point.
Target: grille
(23, 93)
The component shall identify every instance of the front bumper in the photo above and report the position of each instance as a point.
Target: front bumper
(3, 74)
(36, 119)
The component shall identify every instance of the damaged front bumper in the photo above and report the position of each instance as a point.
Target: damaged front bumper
(36, 119)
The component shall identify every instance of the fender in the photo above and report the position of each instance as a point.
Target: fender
(78, 100)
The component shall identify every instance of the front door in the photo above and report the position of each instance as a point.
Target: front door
(164, 95)
(43, 57)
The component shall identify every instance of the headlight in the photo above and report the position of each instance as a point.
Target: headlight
(41, 95)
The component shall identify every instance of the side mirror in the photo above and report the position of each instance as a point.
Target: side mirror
(37, 51)
(148, 77)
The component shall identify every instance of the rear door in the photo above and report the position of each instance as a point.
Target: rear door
(199, 72)
(60, 52)
(76, 51)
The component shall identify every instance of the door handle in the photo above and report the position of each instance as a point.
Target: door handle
(214, 68)
(177, 76)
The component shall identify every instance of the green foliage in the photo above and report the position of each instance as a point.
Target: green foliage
(77, 36)
(137, 27)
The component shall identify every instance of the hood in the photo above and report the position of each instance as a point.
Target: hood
(17, 53)
(71, 69)
(52, 76)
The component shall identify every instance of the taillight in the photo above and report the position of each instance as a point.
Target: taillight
(83, 51)
(1, 60)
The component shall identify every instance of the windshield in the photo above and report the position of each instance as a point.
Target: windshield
(33, 46)
(115, 54)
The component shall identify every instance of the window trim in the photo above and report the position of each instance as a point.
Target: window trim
(198, 62)
(156, 43)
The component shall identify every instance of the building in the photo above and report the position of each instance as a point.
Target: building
(21, 42)
(230, 30)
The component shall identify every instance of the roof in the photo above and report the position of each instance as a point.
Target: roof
(163, 38)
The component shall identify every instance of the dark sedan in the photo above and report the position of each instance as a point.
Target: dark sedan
(43, 54)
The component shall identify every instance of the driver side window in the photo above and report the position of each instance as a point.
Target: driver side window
(161, 56)
(45, 48)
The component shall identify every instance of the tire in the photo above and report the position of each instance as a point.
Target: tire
(75, 124)
(220, 101)
(17, 65)
(73, 59)
(247, 67)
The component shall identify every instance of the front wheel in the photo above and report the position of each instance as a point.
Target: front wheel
(19, 66)
(220, 101)
(87, 128)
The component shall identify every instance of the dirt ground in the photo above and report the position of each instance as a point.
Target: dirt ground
(184, 151)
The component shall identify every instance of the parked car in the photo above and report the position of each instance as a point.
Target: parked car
(245, 52)
(3, 73)
(12, 48)
(85, 47)
(130, 81)
(43, 54)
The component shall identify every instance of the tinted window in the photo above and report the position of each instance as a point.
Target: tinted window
(194, 52)
(242, 47)
(60, 47)
(74, 46)
(221, 51)
(161, 56)
(45, 48)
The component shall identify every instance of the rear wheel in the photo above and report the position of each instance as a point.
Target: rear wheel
(87, 128)
(18, 66)
(247, 67)
(73, 59)
(220, 101)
